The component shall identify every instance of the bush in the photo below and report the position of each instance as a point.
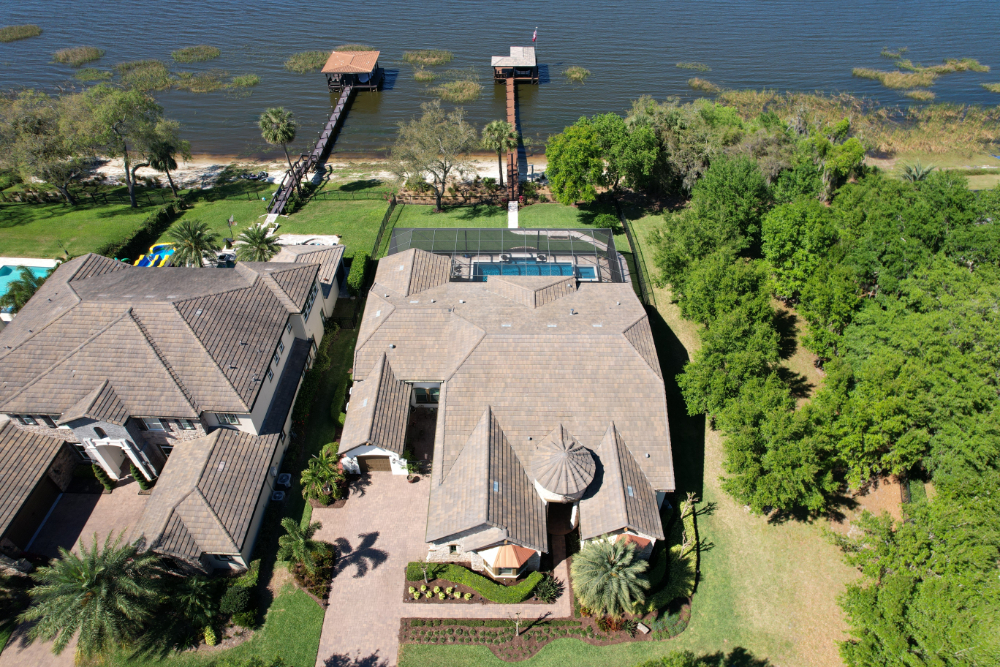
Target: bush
(489, 589)
(548, 589)
(151, 229)
(249, 578)
(210, 637)
(103, 477)
(530, 190)
(359, 267)
(246, 619)
(137, 475)
(235, 600)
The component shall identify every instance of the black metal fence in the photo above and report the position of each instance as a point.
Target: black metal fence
(645, 292)
(146, 197)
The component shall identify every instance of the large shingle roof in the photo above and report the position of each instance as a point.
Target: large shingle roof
(24, 459)
(328, 258)
(487, 486)
(102, 404)
(205, 498)
(172, 341)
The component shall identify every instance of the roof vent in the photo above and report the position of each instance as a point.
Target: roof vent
(631, 493)
(572, 311)
(222, 466)
(433, 300)
(378, 313)
(386, 296)
(231, 366)
(392, 346)
(647, 455)
(461, 300)
(198, 312)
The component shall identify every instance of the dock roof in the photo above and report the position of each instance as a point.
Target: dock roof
(520, 56)
(351, 62)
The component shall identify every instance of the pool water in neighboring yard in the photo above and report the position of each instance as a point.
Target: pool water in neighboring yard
(531, 267)
(9, 274)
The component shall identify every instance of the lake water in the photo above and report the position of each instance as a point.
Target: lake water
(630, 47)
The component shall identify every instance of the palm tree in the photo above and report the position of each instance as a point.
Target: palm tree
(916, 172)
(257, 244)
(500, 137)
(161, 158)
(298, 546)
(608, 578)
(20, 290)
(194, 242)
(277, 127)
(322, 479)
(106, 595)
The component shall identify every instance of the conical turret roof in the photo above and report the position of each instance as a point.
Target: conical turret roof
(562, 465)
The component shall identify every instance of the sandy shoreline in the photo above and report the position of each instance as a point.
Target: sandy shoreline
(202, 170)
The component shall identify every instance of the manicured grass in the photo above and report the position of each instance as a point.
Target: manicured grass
(209, 207)
(43, 230)
(355, 221)
(535, 216)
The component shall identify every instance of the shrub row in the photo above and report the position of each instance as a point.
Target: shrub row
(359, 267)
(142, 238)
(489, 589)
(485, 623)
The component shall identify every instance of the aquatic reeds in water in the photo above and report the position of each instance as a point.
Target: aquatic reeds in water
(459, 92)
(577, 74)
(428, 57)
(920, 79)
(78, 55)
(354, 47)
(12, 33)
(200, 82)
(700, 67)
(893, 55)
(92, 74)
(703, 85)
(424, 75)
(307, 61)
(195, 54)
(145, 75)
(950, 65)
(920, 95)
(992, 87)
(244, 81)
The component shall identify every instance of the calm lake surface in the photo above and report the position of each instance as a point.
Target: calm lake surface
(630, 47)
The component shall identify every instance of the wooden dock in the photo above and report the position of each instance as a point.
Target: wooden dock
(307, 161)
(513, 177)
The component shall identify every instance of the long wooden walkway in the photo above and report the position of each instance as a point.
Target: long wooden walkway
(513, 177)
(307, 161)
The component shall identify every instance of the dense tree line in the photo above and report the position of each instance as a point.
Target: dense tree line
(899, 284)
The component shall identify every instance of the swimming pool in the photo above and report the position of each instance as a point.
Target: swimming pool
(531, 267)
(9, 274)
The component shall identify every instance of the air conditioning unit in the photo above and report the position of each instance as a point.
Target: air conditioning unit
(285, 479)
(278, 496)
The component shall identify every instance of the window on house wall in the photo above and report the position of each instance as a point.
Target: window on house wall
(227, 418)
(453, 548)
(508, 572)
(270, 375)
(166, 449)
(276, 358)
(427, 395)
(288, 327)
(99, 432)
(186, 424)
(27, 420)
(307, 309)
(281, 347)
(223, 558)
(82, 451)
(152, 423)
(48, 421)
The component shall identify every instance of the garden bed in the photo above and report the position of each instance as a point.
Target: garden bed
(463, 579)
(498, 634)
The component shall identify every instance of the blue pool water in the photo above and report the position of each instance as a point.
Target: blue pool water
(529, 267)
(8, 274)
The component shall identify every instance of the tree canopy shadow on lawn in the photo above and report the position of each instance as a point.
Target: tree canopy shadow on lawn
(345, 660)
(363, 557)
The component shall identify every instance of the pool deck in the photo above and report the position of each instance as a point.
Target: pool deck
(27, 261)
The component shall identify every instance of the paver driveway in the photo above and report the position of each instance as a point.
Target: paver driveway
(378, 531)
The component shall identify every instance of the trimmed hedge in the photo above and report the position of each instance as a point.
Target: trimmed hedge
(486, 587)
(359, 267)
(103, 477)
(137, 475)
(487, 623)
(249, 578)
(145, 236)
(235, 600)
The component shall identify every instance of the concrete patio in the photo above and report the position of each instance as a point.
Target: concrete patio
(378, 531)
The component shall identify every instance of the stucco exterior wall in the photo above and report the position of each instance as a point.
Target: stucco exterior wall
(61, 470)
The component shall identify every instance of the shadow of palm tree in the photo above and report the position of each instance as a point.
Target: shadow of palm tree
(345, 660)
(362, 557)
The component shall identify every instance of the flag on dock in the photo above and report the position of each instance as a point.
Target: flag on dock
(535, 36)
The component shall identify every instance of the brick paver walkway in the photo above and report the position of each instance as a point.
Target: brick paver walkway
(378, 533)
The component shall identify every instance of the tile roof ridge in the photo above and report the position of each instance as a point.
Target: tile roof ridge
(163, 360)
(59, 361)
(361, 343)
(213, 515)
(624, 334)
(461, 362)
(35, 332)
(283, 296)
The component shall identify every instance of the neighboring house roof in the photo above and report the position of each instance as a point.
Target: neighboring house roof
(621, 497)
(487, 487)
(25, 458)
(520, 56)
(412, 271)
(351, 62)
(537, 352)
(378, 411)
(102, 404)
(329, 259)
(204, 500)
(561, 464)
(171, 341)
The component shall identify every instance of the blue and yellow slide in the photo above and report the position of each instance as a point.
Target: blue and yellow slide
(159, 255)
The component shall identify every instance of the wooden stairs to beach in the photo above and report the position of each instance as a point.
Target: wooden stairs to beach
(513, 177)
(307, 161)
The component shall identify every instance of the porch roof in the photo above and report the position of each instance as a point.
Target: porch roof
(520, 56)
(351, 62)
